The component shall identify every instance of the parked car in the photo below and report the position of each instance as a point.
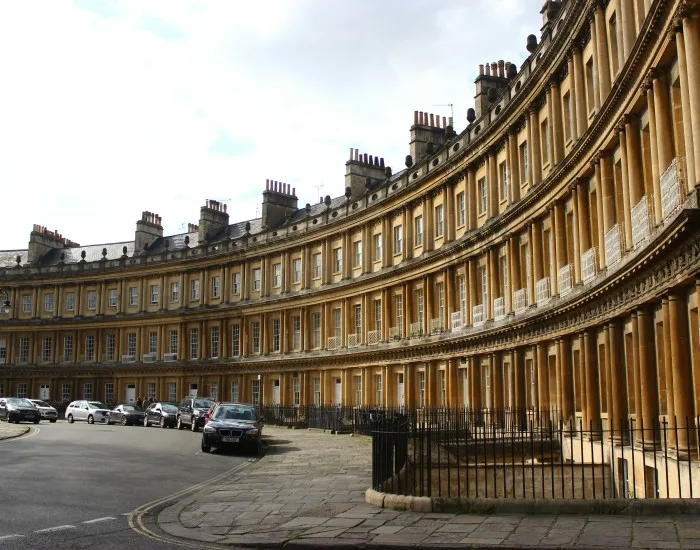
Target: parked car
(162, 413)
(46, 411)
(233, 425)
(92, 411)
(125, 414)
(192, 412)
(18, 409)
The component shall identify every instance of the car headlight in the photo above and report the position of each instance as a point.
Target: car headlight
(253, 433)
(209, 429)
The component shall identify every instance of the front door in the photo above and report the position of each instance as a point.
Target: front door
(338, 391)
(193, 390)
(399, 391)
(44, 392)
(276, 392)
(130, 393)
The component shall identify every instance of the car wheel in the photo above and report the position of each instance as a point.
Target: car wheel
(91, 419)
(124, 421)
(37, 420)
(70, 419)
(108, 421)
(205, 448)
(162, 422)
(145, 422)
(180, 425)
(194, 424)
(52, 421)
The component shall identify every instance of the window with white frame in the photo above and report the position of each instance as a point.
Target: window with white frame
(131, 344)
(439, 221)
(23, 349)
(296, 392)
(504, 276)
(484, 285)
(172, 347)
(92, 300)
(256, 336)
(3, 349)
(357, 384)
(503, 169)
(296, 332)
(112, 297)
(461, 209)
(296, 270)
(236, 284)
(462, 286)
(275, 335)
(337, 260)
(66, 391)
(194, 343)
(419, 307)
(22, 390)
(155, 293)
(418, 231)
(257, 279)
(90, 347)
(235, 396)
(133, 296)
(398, 311)
(378, 247)
(70, 301)
(255, 392)
(235, 340)
(358, 318)
(316, 320)
(110, 347)
(152, 341)
(379, 387)
(526, 250)
(214, 342)
(544, 142)
(276, 275)
(67, 348)
(378, 315)
(214, 391)
(440, 288)
(421, 389)
(48, 302)
(109, 393)
(215, 286)
(443, 388)
(337, 323)
(317, 265)
(317, 391)
(357, 252)
(482, 196)
(27, 303)
(46, 348)
(398, 239)
(523, 162)
(172, 392)
(87, 390)
(194, 290)
(151, 390)
(174, 292)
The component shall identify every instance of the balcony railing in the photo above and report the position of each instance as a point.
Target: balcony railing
(333, 342)
(149, 357)
(613, 246)
(416, 329)
(565, 276)
(394, 333)
(167, 357)
(373, 337)
(588, 264)
(437, 325)
(672, 183)
(499, 308)
(520, 300)
(542, 292)
(478, 315)
(354, 340)
(456, 320)
(128, 359)
(640, 223)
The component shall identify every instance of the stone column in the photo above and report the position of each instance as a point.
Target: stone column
(559, 238)
(573, 189)
(634, 162)
(668, 368)
(592, 382)
(682, 373)
(514, 166)
(637, 378)
(580, 103)
(601, 49)
(572, 93)
(550, 124)
(685, 102)
(662, 118)
(618, 387)
(472, 199)
(626, 21)
(648, 91)
(543, 383)
(624, 161)
(514, 257)
(594, 59)
(648, 376)
(557, 137)
(554, 275)
(599, 210)
(449, 215)
(536, 246)
(497, 384)
(567, 381)
(691, 36)
(519, 370)
(493, 282)
(536, 158)
(428, 229)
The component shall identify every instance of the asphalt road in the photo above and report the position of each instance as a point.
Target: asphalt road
(74, 485)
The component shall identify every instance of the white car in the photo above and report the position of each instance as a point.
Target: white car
(46, 411)
(92, 411)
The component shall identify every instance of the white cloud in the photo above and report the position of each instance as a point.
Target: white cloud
(114, 109)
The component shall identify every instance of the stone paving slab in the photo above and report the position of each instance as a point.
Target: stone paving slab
(308, 491)
(8, 431)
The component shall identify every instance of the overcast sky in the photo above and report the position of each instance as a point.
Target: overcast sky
(110, 108)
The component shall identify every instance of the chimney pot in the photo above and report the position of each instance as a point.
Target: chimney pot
(432, 120)
(294, 192)
(365, 157)
(481, 70)
(415, 117)
(488, 69)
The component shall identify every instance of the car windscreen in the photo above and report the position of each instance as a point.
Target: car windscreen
(96, 405)
(169, 408)
(39, 403)
(203, 404)
(234, 413)
(20, 401)
(132, 408)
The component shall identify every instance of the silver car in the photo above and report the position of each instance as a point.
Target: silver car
(46, 411)
(92, 411)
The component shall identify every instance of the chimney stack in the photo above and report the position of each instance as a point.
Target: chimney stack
(428, 134)
(148, 229)
(279, 201)
(213, 217)
(363, 166)
(42, 240)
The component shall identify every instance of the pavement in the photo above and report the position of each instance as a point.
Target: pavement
(8, 431)
(308, 491)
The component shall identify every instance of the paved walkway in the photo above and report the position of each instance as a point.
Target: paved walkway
(308, 491)
(8, 431)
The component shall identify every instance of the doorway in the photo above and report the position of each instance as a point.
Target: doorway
(131, 393)
(193, 390)
(275, 392)
(44, 392)
(400, 395)
(338, 391)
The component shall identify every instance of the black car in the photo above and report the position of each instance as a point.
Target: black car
(233, 425)
(192, 412)
(125, 414)
(162, 413)
(18, 409)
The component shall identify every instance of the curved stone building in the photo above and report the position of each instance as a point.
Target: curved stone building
(546, 256)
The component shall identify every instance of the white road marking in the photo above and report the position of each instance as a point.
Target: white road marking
(127, 514)
(6, 537)
(97, 520)
(58, 528)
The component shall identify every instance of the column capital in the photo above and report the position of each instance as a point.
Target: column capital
(620, 126)
(597, 5)
(687, 8)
